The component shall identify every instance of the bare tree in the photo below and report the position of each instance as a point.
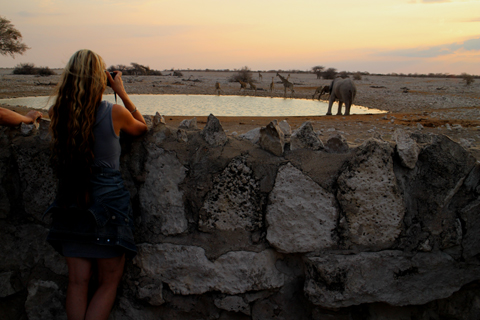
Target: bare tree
(244, 75)
(318, 71)
(467, 78)
(140, 68)
(177, 73)
(10, 39)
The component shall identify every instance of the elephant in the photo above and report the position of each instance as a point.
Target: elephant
(344, 91)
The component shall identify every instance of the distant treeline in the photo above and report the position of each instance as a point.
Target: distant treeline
(332, 71)
(321, 72)
(135, 69)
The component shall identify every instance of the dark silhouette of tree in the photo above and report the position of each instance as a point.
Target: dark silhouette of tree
(141, 69)
(357, 76)
(134, 69)
(244, 75)
(330, 73)
(10, 39)
(29, 68)
(467, 78)
(25, 68)
(318, 71)
(177, 73)
(119, 67)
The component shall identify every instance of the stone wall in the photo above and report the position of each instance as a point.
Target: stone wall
(267, 225)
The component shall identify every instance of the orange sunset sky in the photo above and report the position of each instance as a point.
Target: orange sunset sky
(378, 36)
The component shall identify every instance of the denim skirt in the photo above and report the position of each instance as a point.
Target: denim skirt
(104, 230)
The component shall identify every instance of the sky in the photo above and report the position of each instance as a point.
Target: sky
(377, 36)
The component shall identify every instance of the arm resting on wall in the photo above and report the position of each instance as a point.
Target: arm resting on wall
(11, 118)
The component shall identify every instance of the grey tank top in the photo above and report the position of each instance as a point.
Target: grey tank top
(106, 149)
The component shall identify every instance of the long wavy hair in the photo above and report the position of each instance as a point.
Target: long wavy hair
(78, 96)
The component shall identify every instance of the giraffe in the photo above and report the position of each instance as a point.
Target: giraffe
(218, 89)
(286, 85)
(253, 86)
(260, 77)
(243, 85)
(272, 86)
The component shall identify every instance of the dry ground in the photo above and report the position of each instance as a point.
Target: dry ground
(442, 106)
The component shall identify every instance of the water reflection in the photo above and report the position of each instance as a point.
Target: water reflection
(203, 105)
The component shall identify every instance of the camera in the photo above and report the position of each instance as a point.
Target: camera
(113, 74)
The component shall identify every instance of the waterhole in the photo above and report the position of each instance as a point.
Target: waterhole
(204, 105)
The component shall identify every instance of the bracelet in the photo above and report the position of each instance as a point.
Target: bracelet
(134, 110)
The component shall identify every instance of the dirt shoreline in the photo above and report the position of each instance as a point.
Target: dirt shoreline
(441, 106)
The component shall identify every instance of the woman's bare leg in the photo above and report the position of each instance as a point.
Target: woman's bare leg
(110, 273)
(79, 274)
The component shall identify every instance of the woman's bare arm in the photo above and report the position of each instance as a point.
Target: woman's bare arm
(11, 118)
(127, 119)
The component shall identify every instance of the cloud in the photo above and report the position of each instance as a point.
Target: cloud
(436, 51)
(472, 44)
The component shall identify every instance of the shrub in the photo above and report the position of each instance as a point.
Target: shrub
(330, 73)
(344, 74)
(244, 74)
(468, 78)
(29, 68)
(357, 76)
(25, 68)
(45, 71)
(134, 69)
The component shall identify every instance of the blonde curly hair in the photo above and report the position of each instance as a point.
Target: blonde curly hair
(77, 97)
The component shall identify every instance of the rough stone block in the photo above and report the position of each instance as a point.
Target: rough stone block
(272, 139)
(305, 138)
(336, 281)
(234, 201)
(301, 216)
(213, 132)
(187, 270)
(370, 198)
(189, 124)
(337, 144)
(407, 148)
(160, 195)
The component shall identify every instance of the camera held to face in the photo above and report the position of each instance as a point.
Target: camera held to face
(113, 74)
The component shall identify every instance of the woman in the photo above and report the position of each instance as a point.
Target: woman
(92, 216)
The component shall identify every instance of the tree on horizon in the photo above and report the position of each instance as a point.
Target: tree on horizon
(318, 71)
(244, 75)
(10, 39)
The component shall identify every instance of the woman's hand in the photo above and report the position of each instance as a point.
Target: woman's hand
(117, 83)
(127, 119)
(34, 115)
